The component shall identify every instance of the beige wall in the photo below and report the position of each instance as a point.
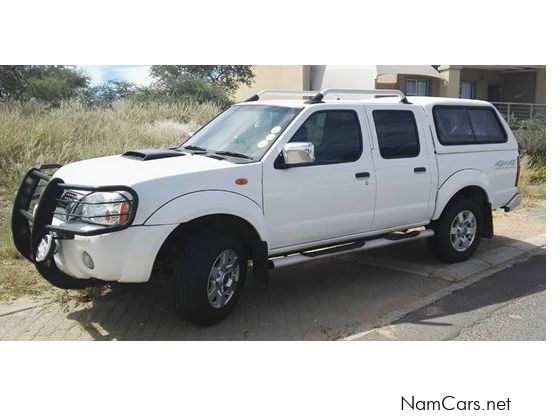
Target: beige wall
(387, 81)
(450, 84)
(275, 77)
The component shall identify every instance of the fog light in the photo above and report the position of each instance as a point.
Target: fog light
(44, 249)
(88, 261)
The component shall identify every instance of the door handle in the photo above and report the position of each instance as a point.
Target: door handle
(419, 170)
(360, 175)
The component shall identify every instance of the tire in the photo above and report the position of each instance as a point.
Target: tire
(198, 268)
(459, 244)
(57, 278)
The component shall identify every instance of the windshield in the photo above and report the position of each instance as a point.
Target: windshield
(245, 130)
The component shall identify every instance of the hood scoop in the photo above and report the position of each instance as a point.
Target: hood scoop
(152, 154)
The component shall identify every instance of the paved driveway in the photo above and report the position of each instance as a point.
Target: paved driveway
(507, 305)
(323, 300)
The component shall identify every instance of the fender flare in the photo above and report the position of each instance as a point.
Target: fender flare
(193, 205)
(455, 183)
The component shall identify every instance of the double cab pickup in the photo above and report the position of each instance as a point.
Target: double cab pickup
(282, 178)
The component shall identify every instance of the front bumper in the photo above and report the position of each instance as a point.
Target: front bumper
(124, 253)
(514, 202)
(126, 256)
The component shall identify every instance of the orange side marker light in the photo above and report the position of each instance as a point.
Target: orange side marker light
(241, 181)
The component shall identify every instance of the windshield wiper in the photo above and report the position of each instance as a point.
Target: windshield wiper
(233, 154)
(195, 148)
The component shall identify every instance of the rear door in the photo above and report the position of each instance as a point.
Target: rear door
(404, 165)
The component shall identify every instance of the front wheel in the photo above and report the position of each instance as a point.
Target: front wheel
(208, 276)
(458, 231)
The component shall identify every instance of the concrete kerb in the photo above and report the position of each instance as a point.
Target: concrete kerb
(500, 259)
(22, 304)
(459, 271)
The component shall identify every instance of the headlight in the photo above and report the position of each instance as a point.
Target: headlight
(103, 208)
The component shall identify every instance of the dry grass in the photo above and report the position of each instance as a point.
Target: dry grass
(31, 134)
(19, 278)
(532, 184)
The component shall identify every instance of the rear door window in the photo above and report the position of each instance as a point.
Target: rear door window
(457, 125)
(397, 134)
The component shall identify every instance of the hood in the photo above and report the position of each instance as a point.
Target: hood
(123, 170)
(159, 180)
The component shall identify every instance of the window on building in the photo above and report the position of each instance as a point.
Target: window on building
(466, 90)
(336, 135)
(468, 125)
(415, 87)
(397, 134)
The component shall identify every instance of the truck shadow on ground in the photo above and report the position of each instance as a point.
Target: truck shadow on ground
(321, 300)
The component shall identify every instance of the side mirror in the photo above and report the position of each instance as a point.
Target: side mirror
(298, 153)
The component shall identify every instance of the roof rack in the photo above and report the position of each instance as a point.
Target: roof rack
(291, 93)
(318, 98)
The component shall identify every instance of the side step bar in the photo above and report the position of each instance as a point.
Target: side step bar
(348, 247)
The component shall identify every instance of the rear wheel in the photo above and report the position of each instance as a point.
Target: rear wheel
(457, 232)
(208, 276)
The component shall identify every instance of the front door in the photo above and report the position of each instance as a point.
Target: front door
(330, 198)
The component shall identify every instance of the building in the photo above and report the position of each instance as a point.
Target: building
(516, 90)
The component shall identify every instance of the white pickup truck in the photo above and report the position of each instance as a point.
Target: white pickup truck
(272, 182)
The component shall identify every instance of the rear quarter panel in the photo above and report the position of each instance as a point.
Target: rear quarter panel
(490, 166)
(494, 171)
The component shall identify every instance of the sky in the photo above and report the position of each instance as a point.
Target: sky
(136, 74)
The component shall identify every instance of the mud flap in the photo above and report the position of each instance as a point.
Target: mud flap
(260, 263)
(487, 221)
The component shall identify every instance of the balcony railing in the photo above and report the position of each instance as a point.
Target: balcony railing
(521, 111)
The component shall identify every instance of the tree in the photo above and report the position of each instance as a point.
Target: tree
(51, 84)
(184, 88)
(229, 78)
(108, 92)
(12, 82)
